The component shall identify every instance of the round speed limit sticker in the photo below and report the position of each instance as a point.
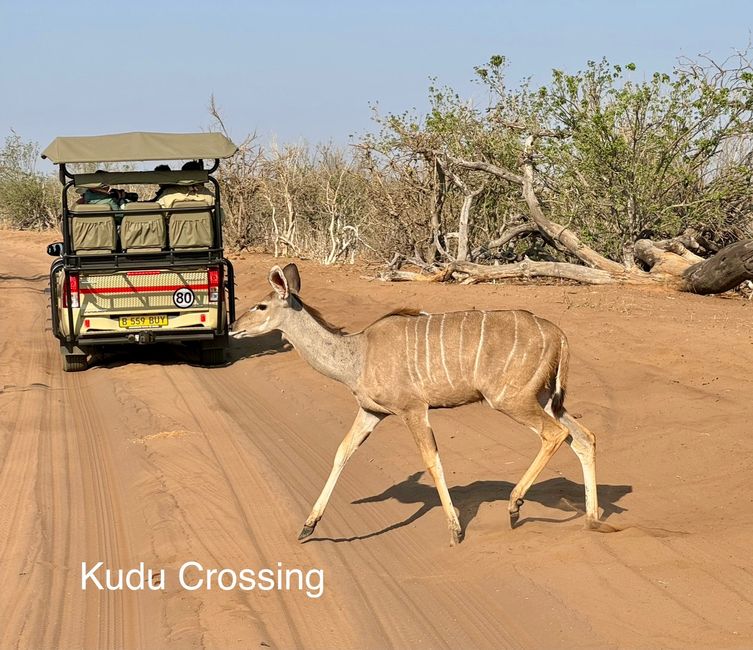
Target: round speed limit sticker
(183, 297)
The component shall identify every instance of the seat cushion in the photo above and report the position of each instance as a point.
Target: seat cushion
(193, 230)
(95, 235)
(142, 232)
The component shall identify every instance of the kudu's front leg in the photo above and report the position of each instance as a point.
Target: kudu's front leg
(418, 423)
(360, 429)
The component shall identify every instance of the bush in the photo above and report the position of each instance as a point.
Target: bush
(28, 199)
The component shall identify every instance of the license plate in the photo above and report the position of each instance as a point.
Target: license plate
(154, 320)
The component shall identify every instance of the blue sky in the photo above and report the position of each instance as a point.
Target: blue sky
(309, 70)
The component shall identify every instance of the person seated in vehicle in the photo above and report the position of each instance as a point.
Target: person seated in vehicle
(101, 194)
(162, 187)
(197, 192)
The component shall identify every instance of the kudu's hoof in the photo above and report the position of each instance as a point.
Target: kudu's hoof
(456, 536)
(307, 530)
(599, 526)
(515, 512)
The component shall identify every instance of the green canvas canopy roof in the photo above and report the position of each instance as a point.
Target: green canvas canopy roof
(124, 147)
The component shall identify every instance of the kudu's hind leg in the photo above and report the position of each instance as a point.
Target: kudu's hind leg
(553, 434)
(360, 429)
(418, 423)
(583, 442)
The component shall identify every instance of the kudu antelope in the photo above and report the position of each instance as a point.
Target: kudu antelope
(406, 363)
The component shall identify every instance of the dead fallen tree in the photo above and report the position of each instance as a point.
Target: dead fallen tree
(674, 263)
(471, 273)
(668, 262)
(726, 270)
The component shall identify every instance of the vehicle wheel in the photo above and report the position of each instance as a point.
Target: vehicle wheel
(74, 362)
(212, 356)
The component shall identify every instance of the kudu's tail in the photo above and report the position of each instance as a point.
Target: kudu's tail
(560, 379)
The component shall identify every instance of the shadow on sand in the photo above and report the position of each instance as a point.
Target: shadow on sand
(258, 346)
(166, 354)
(559, 493)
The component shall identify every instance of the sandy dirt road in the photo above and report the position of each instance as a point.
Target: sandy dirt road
(148, 458)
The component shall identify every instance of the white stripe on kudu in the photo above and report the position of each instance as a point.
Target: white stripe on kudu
(543, 341)
(415, 356)
(480, 345)
(510, 355)
(407, 356)
(461, 355)
(441, 351)
(428, 357)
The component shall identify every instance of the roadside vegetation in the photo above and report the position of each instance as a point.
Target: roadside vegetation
(611, 168)
(28, 198)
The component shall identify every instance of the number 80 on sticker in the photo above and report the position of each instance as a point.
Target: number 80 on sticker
(183, 297)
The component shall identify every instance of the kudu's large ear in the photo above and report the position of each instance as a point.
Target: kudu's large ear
(279, 282)
(293, 277)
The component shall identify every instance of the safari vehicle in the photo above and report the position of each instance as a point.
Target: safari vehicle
(138, 273)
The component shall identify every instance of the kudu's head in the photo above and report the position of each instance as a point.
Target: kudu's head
(274, 309)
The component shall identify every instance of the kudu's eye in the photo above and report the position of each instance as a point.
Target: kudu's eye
(261, 307)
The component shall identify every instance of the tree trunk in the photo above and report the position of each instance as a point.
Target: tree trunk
(506, 237)
(660, 260)
(470, 273)
(562, 270)
(465, 215)
(559, 233)
(548, 229)
(436, 213)
(464, 222)
(730, 267)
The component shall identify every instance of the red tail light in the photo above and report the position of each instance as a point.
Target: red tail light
(72, 282)
(213, 282)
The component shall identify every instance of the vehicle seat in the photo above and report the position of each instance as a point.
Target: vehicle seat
(95, 235)
(142, 233)
(192, 230)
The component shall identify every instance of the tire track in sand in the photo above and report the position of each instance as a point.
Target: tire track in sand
(58, 501)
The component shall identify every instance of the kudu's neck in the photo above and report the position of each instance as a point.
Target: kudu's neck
(332, 354)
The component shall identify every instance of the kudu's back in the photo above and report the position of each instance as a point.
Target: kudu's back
(459, 357)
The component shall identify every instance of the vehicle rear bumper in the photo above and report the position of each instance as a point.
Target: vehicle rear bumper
(147, 336)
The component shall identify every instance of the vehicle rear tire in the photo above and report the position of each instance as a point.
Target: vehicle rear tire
(212, 356)
(74, 362)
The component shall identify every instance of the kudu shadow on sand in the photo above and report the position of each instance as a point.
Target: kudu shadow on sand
(559, 493)
(166, 354)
